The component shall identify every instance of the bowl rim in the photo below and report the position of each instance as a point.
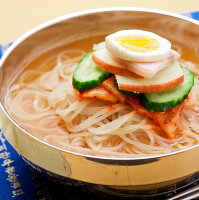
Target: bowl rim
(74, 15)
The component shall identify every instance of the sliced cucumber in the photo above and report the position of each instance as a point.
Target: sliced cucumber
(87, 74)
(164, 100)
(125, 92)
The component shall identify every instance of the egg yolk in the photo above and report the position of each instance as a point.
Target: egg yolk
(138, 43)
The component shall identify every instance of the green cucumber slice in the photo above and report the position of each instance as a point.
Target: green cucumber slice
(125, 92)
(164, 100)
(87, 74)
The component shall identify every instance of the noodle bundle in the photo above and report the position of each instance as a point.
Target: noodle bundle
(46, 105)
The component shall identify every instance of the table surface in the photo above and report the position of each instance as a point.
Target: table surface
(18, 16)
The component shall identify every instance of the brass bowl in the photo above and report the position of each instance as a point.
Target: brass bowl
(130, 176)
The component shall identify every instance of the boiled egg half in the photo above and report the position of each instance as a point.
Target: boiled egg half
(138, 45)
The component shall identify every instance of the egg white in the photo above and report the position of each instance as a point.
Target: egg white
(150, 56)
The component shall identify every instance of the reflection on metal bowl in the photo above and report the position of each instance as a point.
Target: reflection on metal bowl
(129, 176)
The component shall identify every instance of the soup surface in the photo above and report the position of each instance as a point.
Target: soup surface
(42, 100)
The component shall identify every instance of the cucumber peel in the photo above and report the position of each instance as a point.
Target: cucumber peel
(125, 92)
(164, 100)
(87, 74)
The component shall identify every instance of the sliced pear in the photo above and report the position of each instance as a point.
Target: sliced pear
(167, 78)
(104, 60)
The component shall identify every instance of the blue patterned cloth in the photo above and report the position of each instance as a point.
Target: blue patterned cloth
(19, 181)
(194, 15)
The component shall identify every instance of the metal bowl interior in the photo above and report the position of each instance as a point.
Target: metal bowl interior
(131, 172)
